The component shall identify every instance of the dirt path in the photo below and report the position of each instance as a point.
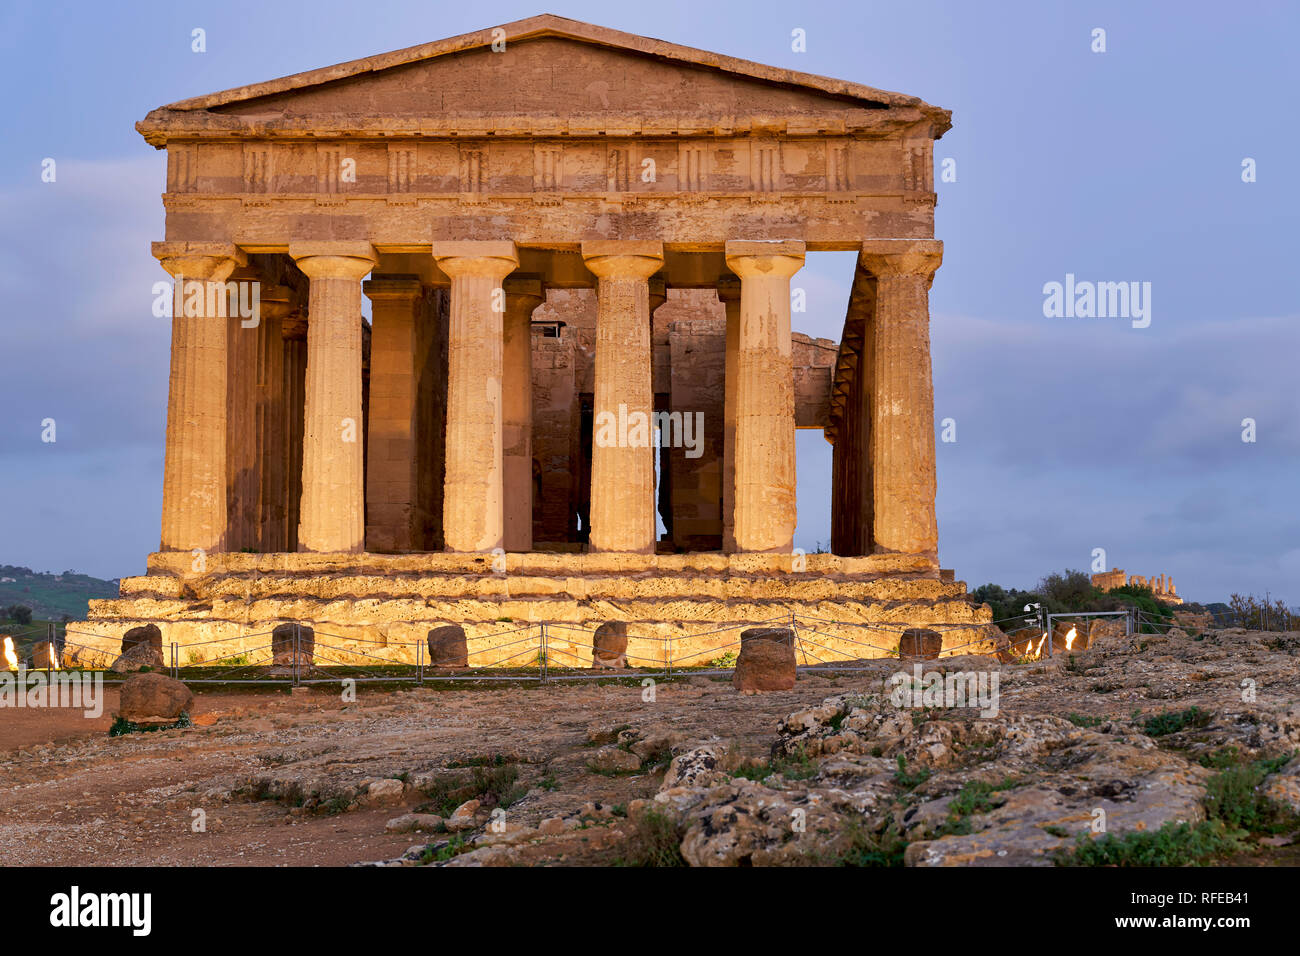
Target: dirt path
(72, 795)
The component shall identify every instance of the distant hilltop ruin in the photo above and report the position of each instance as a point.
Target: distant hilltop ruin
(1162, 587)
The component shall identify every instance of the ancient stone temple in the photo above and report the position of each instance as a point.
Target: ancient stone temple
(1162, 586)
(576, 394)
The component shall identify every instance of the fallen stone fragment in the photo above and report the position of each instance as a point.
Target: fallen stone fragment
(153, 699)
(385, 791)
(609, 645)
(464, 817)
(613, 760)
(428, 822)
(766, 661)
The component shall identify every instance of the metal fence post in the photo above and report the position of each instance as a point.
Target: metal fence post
(419, 662)
(296, 645)
(544, 644)
(176, 671)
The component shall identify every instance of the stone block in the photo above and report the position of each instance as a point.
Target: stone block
(766, 661)
(448, 647)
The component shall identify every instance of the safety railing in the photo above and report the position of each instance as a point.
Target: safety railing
(298, 653)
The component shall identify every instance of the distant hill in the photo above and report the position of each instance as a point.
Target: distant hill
(51, 596)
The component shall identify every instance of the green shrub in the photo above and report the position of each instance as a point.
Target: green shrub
(1233, 797)
(1220, 759)
(122, 726)
(1174, 844)
(1084, 720)
(1172, 721)
(910, 781)
(655, 841)
(869, 849)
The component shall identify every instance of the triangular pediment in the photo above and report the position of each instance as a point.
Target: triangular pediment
(551, 71)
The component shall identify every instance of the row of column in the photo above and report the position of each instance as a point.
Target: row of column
(883, 466)
(487, 491)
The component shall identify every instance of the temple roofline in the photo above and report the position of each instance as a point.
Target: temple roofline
(550, 25)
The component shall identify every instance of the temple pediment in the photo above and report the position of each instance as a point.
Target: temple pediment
(546, 75)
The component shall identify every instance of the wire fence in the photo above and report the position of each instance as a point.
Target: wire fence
(300, 654)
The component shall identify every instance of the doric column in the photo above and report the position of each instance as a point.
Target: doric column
(729, 294)
(294, 332)
(243, 460)
(473, 518)
(273, 456)
(397, 306)
(332, 515)
(861, 406)
(764, 513)
(194, 472)
(622, 455)
(901, 434)
(523, 295)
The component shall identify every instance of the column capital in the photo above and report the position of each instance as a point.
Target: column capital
(900, 257)
(334, 258)
(386, 287)
(277, 301)
(750, 257)
(623, 258)
(207, 261)
(494, 258)
(525, 286)
(728, 289)
(658, 292)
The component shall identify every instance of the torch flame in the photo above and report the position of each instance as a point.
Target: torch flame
(1038, 651)
(1069, 639)
(10, 657)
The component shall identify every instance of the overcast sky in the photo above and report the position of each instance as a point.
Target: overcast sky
(1072, 433)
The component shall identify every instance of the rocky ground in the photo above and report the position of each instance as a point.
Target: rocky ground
(1132, 736)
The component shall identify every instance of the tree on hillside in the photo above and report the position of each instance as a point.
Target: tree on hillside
(1071, 589)
(20, 613)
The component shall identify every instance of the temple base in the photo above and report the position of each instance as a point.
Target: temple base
(678, 608)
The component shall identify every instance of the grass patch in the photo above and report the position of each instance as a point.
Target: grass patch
(453, 847)
(1174, 844)
(496, 760)
(1085, 720)
(334, 805)
(1233, 797)
(797, 767)
(1221, 759)
(493, 784)
(869, 849)
(1235, 809)
(655, 841)
(976, 796)
(1172, 721)
(122, 726)
(910, 781)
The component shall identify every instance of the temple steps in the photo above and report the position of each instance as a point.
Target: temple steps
(250, 588)
(678, 607)
(687, 631)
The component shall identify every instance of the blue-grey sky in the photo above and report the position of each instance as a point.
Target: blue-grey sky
(1072, 434)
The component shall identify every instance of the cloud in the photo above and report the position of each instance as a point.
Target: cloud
(1046, 393)
(84, 347)
(1088, 433)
